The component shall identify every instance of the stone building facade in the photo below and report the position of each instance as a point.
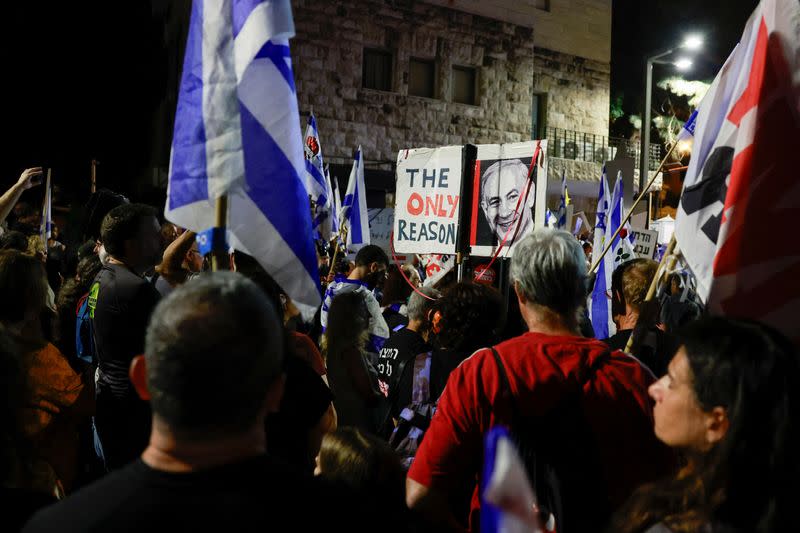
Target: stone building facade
(537, 64)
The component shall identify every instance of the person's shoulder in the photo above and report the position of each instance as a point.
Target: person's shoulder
(91, 505)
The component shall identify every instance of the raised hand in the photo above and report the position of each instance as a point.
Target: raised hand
(30, 177)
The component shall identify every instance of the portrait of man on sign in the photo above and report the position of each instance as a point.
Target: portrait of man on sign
(502, 184)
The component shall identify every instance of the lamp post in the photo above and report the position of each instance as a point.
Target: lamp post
(692, 42)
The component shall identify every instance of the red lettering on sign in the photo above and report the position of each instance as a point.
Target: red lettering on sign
(415, 204)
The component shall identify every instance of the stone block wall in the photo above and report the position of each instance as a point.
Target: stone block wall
(327, 54)
(578, 91)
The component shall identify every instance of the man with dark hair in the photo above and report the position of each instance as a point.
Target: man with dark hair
(633, 316)
(120, 303)
(372, 264)
(212, 370)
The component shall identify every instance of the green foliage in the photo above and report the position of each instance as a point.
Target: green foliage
(616, 110)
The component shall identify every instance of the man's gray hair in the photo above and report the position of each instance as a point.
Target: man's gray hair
(550, 270)
(418, 305)
(213, 348)
(505, 164)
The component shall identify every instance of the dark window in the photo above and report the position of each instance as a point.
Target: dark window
(538, 116)
(422, 78)
(377, 72)
(464, 86)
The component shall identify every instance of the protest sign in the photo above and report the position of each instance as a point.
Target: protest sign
(500, 179)
(381, 221)
(645, 242)
(436, 266)
(428, 200)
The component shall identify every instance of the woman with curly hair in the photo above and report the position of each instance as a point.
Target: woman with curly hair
(467, 317)
(730, 404)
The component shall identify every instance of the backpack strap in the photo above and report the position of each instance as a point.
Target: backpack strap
(505, 385)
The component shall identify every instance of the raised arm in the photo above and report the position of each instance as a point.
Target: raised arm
(170, 267)
(26, 180)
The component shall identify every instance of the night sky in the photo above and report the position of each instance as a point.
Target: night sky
(96, 78)
(642, 28)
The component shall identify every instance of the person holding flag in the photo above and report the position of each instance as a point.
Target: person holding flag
(237, 136)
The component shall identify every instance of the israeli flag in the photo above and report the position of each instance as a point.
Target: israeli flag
(354, 207)
(599, 302)
(335, 202)
(237, 132)
(687, 131)
(507, 499)
(551, 220)
(315, 182)
(620, 252)
(561, 215)
(46, 226)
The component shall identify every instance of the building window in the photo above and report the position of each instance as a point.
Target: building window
(422, 78)
(538, 116)
(544, 5)
(464, 85)
(377, 71)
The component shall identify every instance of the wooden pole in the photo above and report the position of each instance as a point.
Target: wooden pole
(219, 256)
(94, 175)
(669, 258)
(630, 211)
(343, 236)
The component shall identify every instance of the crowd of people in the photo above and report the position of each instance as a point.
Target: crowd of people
(144, 391)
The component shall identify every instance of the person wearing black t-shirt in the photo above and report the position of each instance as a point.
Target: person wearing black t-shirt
(406, 342)
(212, 371)
(121, 301)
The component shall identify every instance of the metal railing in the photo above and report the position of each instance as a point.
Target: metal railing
(578, 146)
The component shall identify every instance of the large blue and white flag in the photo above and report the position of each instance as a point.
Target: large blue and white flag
(354, 207)
(237, 132)
(561, 215)
(335, 202)
(507, 499)
(46, 226)
(620, 252)
(315, 182)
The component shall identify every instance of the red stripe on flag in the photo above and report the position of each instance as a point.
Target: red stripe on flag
(476, 191)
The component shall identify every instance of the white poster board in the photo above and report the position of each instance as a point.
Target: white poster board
(645, 242)
(427, 200)
(500, 178)
(436, 266)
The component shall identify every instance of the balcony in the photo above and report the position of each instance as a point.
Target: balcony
(568, 144)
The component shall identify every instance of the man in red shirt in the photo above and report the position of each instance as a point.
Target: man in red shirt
(609, 432)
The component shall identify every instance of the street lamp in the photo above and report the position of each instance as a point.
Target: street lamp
(691, 42)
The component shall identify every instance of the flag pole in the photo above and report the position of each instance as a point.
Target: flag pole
(343, 236)
(94, 175)
(669, 258)
(219, 256)
(45, 215)
(642, 193)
